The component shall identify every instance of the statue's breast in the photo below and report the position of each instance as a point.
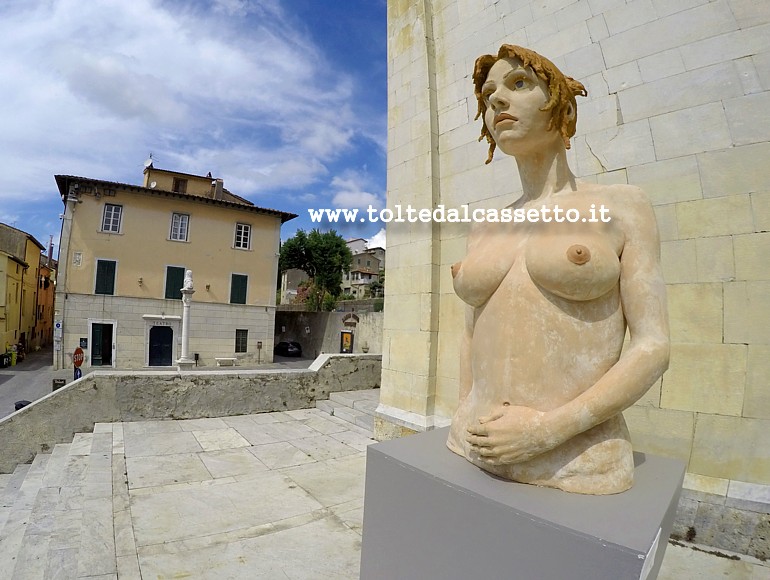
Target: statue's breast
(488, 262)
(577, 266)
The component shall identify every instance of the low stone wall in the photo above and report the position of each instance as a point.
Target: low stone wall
(109, 396)
(737, 520)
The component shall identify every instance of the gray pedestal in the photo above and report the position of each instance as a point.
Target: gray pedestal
(428, 514)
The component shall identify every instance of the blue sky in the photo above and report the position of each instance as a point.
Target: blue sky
(286, 100)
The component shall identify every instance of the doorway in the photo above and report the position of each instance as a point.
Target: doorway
(101, 345)
(161, 346)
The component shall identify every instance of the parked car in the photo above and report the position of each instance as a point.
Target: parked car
(288, 348)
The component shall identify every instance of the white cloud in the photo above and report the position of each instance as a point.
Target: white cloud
(350, 190)
(229, 87)
(377, 240)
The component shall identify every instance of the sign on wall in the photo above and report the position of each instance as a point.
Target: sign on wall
(346, 341)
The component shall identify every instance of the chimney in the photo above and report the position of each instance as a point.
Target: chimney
(219, 186)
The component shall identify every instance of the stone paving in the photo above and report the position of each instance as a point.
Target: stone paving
(266, 496)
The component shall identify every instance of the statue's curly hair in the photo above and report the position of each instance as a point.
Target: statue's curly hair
(562, 91)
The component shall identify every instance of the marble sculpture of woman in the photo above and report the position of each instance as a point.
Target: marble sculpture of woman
(543, 381)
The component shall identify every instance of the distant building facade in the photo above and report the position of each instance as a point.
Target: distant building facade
(123, 256)
(367, 266)
(46, 289)
(19, 276)
(290, 281)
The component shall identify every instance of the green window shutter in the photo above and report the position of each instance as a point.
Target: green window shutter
(105, 277)
(174, 282)
(238, 287)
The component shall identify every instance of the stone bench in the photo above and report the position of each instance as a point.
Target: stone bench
(226, 361)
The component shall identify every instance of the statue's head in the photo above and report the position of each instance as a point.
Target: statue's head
(561, 91)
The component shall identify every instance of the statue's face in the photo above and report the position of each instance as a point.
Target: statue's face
(514, 96)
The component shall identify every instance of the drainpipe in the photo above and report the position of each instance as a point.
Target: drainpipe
(21, 301)
(61, 274)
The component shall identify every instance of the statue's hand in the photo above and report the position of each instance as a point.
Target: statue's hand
(510, 435)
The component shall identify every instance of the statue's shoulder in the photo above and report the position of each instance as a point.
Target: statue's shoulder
(623, 195)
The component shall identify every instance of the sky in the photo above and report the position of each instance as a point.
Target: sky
(285, 100)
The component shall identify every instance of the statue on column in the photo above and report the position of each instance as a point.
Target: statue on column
(188, 280)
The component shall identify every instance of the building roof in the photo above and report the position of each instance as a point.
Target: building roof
(23, 233)
(63, 182)
(364, 270)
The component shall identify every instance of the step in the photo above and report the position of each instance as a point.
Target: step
(325, 406)
(10, 491)
(32, 559)
(345, 413)
(96, 554)
(64, 544)
(13, 532)
(365, 401)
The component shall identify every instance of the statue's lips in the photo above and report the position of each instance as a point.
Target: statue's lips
(504, 117)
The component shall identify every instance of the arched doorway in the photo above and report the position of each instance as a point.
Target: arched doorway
(161, 346)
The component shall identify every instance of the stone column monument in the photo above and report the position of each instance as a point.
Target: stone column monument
(185, 362)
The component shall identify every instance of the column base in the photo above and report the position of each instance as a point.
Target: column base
(185, 365)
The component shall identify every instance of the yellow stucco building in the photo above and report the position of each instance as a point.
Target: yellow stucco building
(124, 252)
(19, 275)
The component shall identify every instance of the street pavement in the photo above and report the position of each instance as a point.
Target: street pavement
(29, 380)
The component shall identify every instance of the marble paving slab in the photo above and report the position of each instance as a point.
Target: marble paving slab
(320, 550)
(202, 424)
(216, 439)
(323, 447)
(282, 454)
(215, 509)
(332, 482)
(169, 443)
(231, 462)
(165, 469)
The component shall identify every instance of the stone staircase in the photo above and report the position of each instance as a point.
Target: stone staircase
(356, 407)
(67, 515)
(58, 513)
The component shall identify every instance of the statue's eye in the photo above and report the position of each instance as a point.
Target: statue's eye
(519, 84)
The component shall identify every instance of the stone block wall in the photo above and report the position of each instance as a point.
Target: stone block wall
(679, 94)
(319, 332)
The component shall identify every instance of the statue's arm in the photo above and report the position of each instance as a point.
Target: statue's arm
(643, 298)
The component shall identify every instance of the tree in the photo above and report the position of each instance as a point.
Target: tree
(377, 288)
(323, 256)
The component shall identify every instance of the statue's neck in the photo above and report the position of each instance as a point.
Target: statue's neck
(545, 173)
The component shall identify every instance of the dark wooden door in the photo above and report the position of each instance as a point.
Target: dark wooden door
(161, 346)
(101, 339)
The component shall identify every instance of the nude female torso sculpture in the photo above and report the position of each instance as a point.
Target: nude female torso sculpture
(549, 302)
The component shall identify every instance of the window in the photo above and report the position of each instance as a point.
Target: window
(111, 218)
(241, 339)
(174, 282)
(243, 236)
(105, 277)
(179, 227)
(238, 286)
(180, 185)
